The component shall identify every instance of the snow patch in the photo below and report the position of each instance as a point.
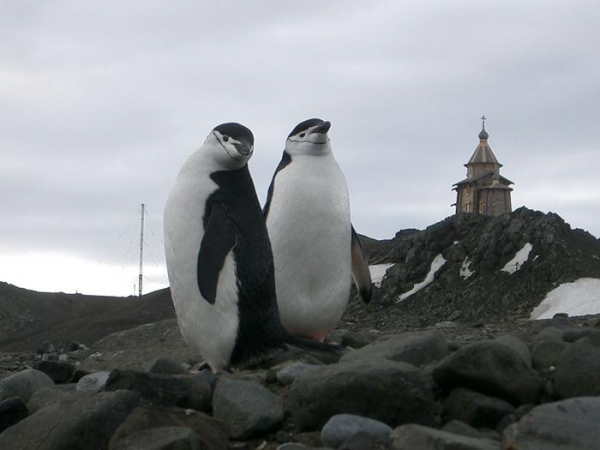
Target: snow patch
(517, 262)
(578, 298)
(436, 264)
(465, 270)
(378, 272)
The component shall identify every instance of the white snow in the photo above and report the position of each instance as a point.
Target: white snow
(465, 270)
(378, 272)
(576, 299)
(436, 264)
(517, 262)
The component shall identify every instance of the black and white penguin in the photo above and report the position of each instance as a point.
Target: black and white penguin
(219, 258)
(315, 248)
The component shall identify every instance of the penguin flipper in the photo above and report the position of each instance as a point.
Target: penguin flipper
(219, 238)
(360, 269)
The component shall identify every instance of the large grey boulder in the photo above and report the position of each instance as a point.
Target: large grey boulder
(247, 407)
(186, 391)
(93, 382)
(140, 427)
(578, 369)
(81, 424)
(413, 437)
(492, 368)
(23, 384)
(51, 395)
(390, 391)
(564, 425)
(545, 354)
(288, 374)
(342, 427)
(416, 348)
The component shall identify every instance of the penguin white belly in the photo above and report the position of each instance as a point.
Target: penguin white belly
(211, 329)
(310, 231)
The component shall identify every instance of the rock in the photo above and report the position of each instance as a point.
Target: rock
(578, 369)
(416, 348)
(60, 372)
(567, 424)
(51, 395)
(390, 391)
(342, 427)
(165, 438)
(550, 333)
(517, 345)
(247, 407)
(574, 334)
(545, 354)
(72, 346)
(166, 366)
(81, 424)
(412, 437)
(296, 446)
(364, 441)
(212, 433)
(459, 427)
(191, 391)
(12, 411)
(476, 409)
(45, 347)
(491, 368)
(23, 384)
(355, 340)
(93, 382)
(288, 374)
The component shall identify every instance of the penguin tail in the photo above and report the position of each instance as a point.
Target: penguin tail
(309, 345)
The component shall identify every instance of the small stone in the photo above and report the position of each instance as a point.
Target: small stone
(12, 411)
(416, 348)
(59, 371)
(166, 366)
(390, 391)
(72, 346)
(45, 347)
(248, 408)
(413, 437)
(212, 433)
(459, 427)
(23, 384)
(356, 340)
(163, 438)
(93, 382)
(289, 374)
(491, 368)
(186, 391)
(476, 409)
(342, 427)
(574, 334)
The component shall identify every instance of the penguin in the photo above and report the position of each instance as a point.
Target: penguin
(316, 250)
(219, 259)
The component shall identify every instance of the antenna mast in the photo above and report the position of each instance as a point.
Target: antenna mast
(141, 251)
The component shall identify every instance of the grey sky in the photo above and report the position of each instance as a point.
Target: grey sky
(102, 101)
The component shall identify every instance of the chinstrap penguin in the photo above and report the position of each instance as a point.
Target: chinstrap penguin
(315, 248)
(218, 253)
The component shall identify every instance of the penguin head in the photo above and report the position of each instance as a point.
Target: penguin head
(309, 138)
(231, 145)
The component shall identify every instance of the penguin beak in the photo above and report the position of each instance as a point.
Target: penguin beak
(243, 148)
(322, 128)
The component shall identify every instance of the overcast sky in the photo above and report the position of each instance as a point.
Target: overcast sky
(102, 101)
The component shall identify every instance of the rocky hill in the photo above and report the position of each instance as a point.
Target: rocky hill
(28, 317)
(488, 269)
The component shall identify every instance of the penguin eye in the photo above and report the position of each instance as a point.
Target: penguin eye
(302, 134)
(226, 138)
